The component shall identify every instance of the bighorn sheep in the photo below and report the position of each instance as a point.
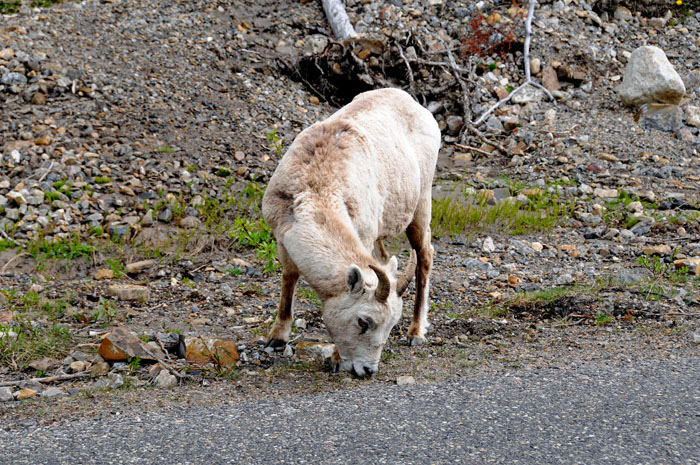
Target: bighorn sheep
(362, 175)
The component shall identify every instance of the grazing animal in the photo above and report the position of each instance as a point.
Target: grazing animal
(362, 175)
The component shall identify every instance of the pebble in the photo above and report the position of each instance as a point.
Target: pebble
(165, 380)
(6, 394)
(405, 380)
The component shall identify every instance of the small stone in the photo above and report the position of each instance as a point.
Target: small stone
(239, 155)
(692, 264)
(138, 267)
(692, 116)
(76, 367)
(664, 117)
(488, 245)
(116, 380)
(104, 273)
(607, 156)
(165, 380)
(314, 100)
(310, 350)
(99, 369)
(147, 219)
(54, 392)
(528, 94)
(190, 222)
(535, 65)
(45, 364)
(405, 380)
(6, 394)
(536, 246)
(661, 249)
(26, 393)
(45, 140)
(102, 383)
(605, 193)
(129, 292)
(120, 345)
(165, 215)
(550, 81)
(454, 124)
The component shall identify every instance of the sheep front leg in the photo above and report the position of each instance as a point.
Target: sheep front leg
(282, 327)
(419, 237)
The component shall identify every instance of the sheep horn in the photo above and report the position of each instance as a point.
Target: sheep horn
(407, 275)
(384, 286)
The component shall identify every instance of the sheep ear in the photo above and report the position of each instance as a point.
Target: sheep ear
(354, 279)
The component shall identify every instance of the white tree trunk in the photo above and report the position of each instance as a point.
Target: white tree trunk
(338, 18)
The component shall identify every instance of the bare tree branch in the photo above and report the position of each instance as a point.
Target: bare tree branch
(526, 65)
(338, 19)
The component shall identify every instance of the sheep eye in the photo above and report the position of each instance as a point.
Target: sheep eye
(363, 324)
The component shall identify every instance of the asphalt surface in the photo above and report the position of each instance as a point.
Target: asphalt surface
(647, 412)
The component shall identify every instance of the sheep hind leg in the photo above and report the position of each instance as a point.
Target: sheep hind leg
(418, 234)
(282, 327)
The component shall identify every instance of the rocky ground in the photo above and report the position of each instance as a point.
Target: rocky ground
(136, 131)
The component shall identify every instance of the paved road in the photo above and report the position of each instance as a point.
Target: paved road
(648, 413)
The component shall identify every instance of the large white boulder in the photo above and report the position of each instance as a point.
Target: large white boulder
(650, 78)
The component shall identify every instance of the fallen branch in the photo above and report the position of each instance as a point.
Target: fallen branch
(46, 380)
(526, 64)
(473, 149)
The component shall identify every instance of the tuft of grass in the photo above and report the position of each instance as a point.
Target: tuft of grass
(69, 249)
(102, 180)
(165, 149)
(470, 214)
(22, 342)
(117, 267)
(105, 312)
(309, 295)
(7, 244)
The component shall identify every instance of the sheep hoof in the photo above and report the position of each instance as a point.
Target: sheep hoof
(416, 341)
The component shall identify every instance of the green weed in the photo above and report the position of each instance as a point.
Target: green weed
(309, 295)
(22, 342)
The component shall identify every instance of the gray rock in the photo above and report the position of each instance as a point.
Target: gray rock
(488, 245)
(165, 380)
(54, 392)
(166, 215)
(147, 219)
(10, 79)
(473, 264)
(664, 117)
(95, 219)
(528, 94)
(692, 116)
(650, 78)
(6, 394)
(116, 380)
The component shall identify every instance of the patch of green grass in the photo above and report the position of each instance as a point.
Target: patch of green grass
(105, 312)
(603, 319)
(51, 196)
(117, 267)
(102, 179)
(309, 295)
(22, 342)
(7, 244)
(69, 249)
(275, 142)
(469, 214)
(10, 8)
(165, 149)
